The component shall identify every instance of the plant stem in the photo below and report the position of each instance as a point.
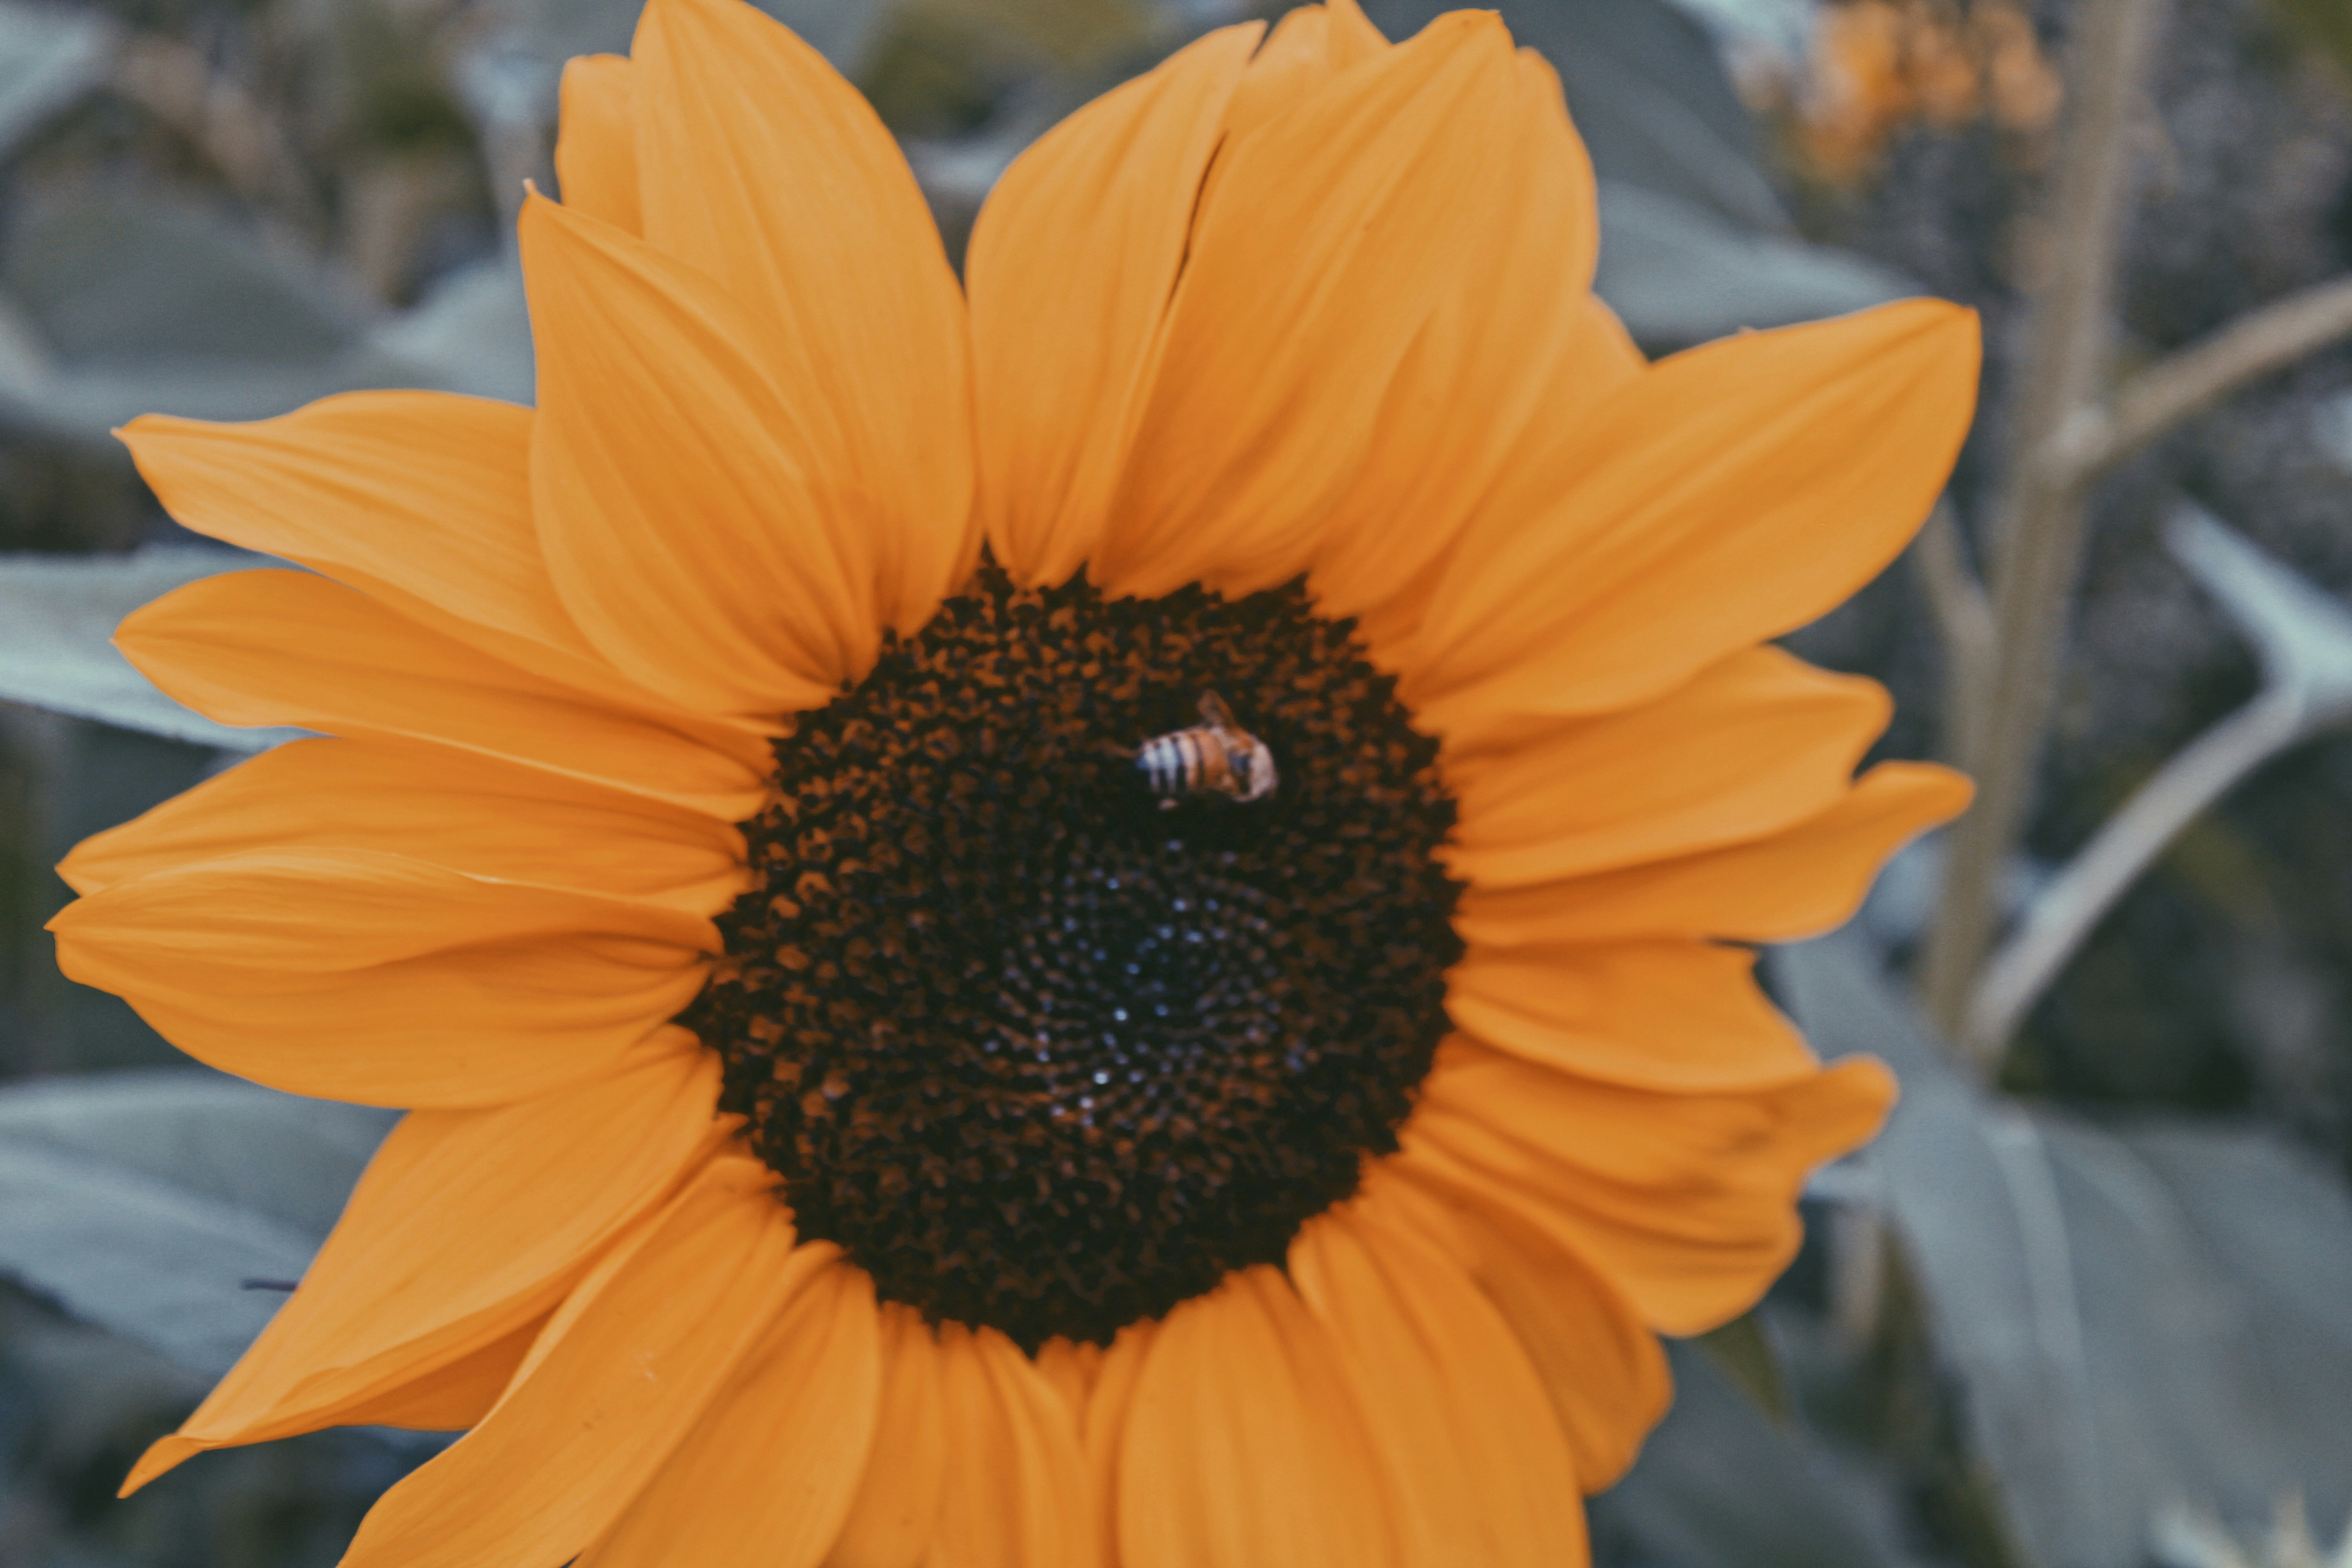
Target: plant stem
(2195, 378)
(1964, 623)
(2037, 543)
(2069, 909)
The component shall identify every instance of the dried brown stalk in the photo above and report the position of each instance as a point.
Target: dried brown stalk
(2192, 380)
(2037, 540)
(2067, 436)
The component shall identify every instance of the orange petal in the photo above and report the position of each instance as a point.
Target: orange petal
(285, 648)
(1103, 1430)
(1310, 45)
(622, 1374)
(1244, 1444)
(768, 1475)
(1070, 1368)
(448, 1399)
(1015, 1492)
(682, 522)
(267, 918)
(1687, 1202)
(1753, 745)
(766, 171)
(1795, 884)
(1479, 1469)
(1683, 1016)
(1726, 495)
(1353, 37)
(1070, 267)
(357, 976)
(1327, 238)
(895, 1516)
(596, 149)
(475, 815)
(1600, 1364)
(1516, 352)
(467, 1230)
(419, 499)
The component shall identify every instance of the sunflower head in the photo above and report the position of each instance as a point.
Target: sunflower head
(1093, 916)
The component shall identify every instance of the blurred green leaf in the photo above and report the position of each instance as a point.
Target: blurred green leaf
(1679, 274)
(156, 307)
(114, 280)
(141, 1201)
(1743, 1348)
(49, 56)
(2327, 24)
(843, 31)
(57, 616)
(2135, 1315)
(2302, 633)
(111, 311)
(470, 333)
(1720, 1484)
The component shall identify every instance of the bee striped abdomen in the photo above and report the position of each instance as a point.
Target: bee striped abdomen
(1217, 758)
(1171, 764)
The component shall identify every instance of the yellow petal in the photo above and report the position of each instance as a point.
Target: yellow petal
(1326, 240)
(1244, 1444)
(357, 976)
(683, 525)
(1725, 496)
(1480, 1472)
(622, 1375)
(768, 1475)
(596, 148)
(285, 648)
(1796, 883)
(467, 1230)
(1071, 264)
(766, 171)
(1516, 352)
(1753, 745)
(1646, 1015)
(475, 815)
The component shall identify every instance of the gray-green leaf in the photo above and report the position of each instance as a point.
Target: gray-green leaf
(2137, 1314)
(1677, 273)
(57, 616)
(49, 56)
(143, 1201)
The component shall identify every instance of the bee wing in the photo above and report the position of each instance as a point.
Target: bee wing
(1213, 709)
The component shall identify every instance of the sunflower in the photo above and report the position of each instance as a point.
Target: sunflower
(878, 1093)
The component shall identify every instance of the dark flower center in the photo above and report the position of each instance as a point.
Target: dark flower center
(1038, 1051)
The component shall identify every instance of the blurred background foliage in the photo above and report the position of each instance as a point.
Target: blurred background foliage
(2093, 1309)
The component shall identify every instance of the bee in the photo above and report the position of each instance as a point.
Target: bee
(1216, 756)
